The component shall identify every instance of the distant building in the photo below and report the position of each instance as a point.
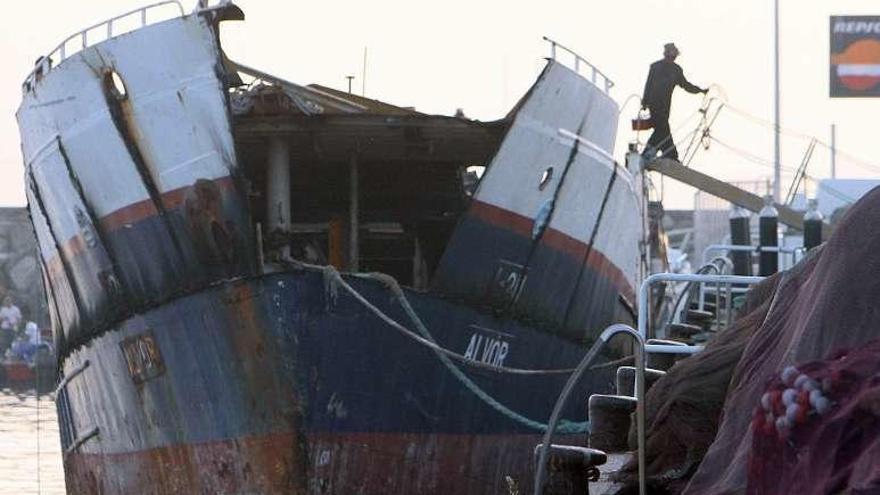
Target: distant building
(834, 195)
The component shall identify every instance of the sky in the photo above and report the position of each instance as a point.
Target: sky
(481, 56)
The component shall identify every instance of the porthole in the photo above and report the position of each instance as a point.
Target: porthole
(115, 84)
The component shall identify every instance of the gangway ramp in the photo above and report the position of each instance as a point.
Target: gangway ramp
(675, 170)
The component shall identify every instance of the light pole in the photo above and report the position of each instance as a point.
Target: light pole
(833, 151)
(776, 165)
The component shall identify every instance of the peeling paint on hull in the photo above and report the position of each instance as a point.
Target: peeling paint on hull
(343, 463)
(270, 387)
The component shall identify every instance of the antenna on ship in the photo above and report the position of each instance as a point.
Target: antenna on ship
(349, 83)
(364, 75)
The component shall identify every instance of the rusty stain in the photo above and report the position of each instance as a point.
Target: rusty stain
(214, 237)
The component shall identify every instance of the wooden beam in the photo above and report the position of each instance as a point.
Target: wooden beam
(675, 170)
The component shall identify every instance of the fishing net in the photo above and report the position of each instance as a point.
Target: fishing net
(699, 415)
(816, 429)
(684, 407)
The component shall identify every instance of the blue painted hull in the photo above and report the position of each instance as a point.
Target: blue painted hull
(335, 392)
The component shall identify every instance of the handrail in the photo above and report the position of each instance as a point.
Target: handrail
(685, 296)
(70, 376)
(77, 443)
(724, 262)
(644, 292)
(578, 60)
(582, 367)
(44, 64)
(753, 249)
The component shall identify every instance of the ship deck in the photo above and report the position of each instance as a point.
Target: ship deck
(412, 138)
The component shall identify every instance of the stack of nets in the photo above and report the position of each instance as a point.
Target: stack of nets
(700, 415)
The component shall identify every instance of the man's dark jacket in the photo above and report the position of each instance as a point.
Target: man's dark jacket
(663, 77)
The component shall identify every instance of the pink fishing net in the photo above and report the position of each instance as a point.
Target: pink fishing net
(829, 303)
(817, 428)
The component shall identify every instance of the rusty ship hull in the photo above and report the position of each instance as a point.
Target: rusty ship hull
(204, 344)
(268, 387)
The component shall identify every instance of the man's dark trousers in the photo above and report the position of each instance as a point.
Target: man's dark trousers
(661, 138)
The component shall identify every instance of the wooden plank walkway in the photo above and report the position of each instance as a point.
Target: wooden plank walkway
(675, 170)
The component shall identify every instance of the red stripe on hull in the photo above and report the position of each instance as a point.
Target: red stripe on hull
(337, 463)
(142, 210)
(555, 239)
(127, 215)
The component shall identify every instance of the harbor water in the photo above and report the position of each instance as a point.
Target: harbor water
(30, 449)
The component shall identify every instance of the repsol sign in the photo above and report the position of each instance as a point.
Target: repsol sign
(855, 56)
(856, 27)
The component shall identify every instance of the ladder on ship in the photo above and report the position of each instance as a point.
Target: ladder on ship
(676, 170)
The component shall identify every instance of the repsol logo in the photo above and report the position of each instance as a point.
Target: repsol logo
(857, 27)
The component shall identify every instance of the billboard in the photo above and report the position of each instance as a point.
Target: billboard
(855, 56)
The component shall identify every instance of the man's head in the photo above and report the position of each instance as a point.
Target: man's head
(670, 51)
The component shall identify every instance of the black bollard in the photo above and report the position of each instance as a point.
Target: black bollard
(740, 235)
(570, 469)
(768, 226)
(812, 225)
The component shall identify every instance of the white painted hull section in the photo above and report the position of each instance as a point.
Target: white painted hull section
(588, 116)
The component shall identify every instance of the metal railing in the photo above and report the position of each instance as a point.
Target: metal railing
(44, 65)
(642, 350)
(791, 251)
(596, 75)
(644, 303)
(640, 361)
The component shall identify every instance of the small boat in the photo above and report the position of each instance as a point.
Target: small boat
(18, 374)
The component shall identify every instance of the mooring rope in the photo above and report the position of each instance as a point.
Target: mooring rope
(333, 280)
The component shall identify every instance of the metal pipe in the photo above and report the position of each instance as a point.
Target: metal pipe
(722, 263)
(553, 44)
(644, 290)
(82, 34)
(672, 349)
(833, 151)
(728, 307)
(603, 339)
(353, 214)
(702, 296)
(278, 189)
(734, 247)
(777, 180)
(70, 376)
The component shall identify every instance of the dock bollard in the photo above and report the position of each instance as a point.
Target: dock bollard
(610, 420)
(570, 469)
(768, 225)
(812, 225)
(740, 235)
